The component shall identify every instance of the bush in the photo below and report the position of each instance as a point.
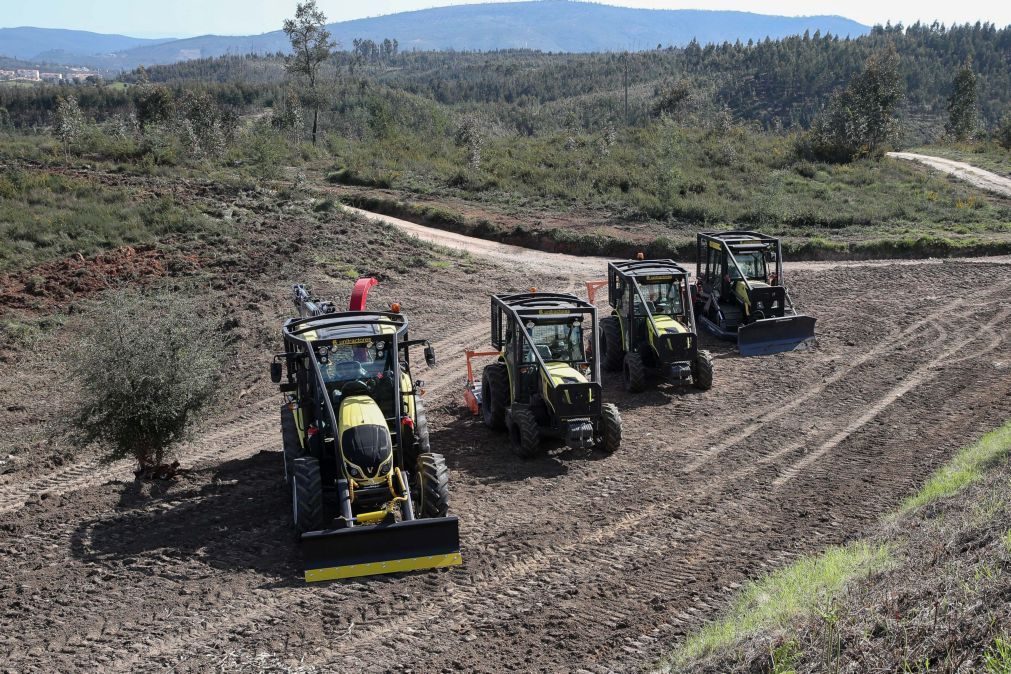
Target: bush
(1003, 134)
(145, 367)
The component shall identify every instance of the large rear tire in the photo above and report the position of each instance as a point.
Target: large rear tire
(433, 478)
(306, 495)
(635, 373)
(291, 448)
(524, 433)
(610, 431)
(611, 350)
(494, 395)
(702, 371)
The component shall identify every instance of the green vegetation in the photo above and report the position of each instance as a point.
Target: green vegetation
(998, 657)
(966, 467)
(808, 586)
(49, 215)
(984, 154)
(145, 367)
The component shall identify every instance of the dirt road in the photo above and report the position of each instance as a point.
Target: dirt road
(973, 175)
(574, 561)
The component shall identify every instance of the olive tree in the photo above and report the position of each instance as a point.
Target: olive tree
(144, 367)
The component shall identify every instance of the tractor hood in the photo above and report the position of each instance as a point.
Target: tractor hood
(668, 326)
(365, 443)
(563, 373)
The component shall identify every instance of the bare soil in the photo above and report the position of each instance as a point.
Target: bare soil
(573, 561)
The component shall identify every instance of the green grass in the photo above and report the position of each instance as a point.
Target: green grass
(805, 587)
(45, 216)
(966, 467)
(997, 659)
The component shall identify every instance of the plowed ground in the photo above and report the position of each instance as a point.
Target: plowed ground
(574, 561)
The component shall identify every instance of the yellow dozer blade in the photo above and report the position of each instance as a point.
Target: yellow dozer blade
(370, 550)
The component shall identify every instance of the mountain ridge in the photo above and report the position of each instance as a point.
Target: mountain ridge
(544, 25)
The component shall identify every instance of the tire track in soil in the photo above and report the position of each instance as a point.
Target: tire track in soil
(542, 561)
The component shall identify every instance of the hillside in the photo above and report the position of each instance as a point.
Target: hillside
(547, 25)
(57, 45)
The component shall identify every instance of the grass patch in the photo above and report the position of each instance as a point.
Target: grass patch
(806, 587)
(967, 467)
(997, 659)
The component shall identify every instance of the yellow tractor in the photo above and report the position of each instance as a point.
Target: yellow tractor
(368, 495)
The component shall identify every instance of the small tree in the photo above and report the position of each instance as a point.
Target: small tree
(68, 121)
(155, 105)
(470, 136)
(144, 368)
(963, 113)
(287, 117)
(860, 120)
(311, 44)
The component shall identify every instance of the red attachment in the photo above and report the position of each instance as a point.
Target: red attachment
(591, 289)
(360, 294)
(408, 422)
(468, 396)
(311, 431)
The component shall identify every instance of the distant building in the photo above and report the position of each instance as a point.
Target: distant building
(51, 77)
(30, 75)
(6, 75)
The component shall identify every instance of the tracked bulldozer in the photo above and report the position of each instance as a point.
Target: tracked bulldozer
(652, 325)
(740, 294)
(368, 494)
(545, 382)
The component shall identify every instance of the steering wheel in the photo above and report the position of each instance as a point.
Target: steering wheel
(358, 387)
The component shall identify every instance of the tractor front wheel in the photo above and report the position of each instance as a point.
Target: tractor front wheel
(306, 494)
(524, 434)
(433, 478)
(702, 371)
(494, 395)
(611, 350)
(610, 428)
(635, 373)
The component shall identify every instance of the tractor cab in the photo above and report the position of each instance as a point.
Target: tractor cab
(740, 293)
(652, 325)
(545, 381)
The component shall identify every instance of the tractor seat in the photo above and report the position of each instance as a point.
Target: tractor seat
(354, 388)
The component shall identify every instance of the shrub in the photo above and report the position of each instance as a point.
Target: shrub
(1004, 131)
(145, 367)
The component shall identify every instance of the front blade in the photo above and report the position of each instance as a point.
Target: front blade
(775, 335)
(381, 548)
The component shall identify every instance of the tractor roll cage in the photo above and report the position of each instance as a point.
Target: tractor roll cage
(630, 271)
(741, 240)
(294, 329)
(563, 308)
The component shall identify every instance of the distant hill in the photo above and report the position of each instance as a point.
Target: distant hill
(41, 44)
(547, 25)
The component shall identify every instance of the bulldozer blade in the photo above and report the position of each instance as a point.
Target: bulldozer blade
(775, 335)
(370, 550)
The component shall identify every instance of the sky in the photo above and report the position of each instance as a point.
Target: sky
(184, 18)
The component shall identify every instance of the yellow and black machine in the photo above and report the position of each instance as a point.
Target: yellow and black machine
(652, 324)
(740, 293)
(368, 495)
(546, 379)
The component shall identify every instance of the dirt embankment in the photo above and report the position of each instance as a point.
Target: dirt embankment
(573, 561)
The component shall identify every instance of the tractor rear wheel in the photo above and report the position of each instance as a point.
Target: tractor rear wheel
(635, 373)
(306, 494)
(524, 433)
(433, 478)
(291, 448)
(611, 350)
(494, 395)
(610, 428)
(416, 441)
(702, 371)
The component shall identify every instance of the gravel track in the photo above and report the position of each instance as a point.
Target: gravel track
(574, 561)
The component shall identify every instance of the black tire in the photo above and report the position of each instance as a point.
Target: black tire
(306, 495)
(291, 448)
(610, 428)
(702, 371)
(635, 373)
(524, 433)
(433, 478)
(494, 395)
(611, 350)
(416, 440)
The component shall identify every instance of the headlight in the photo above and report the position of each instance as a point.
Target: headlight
(385, 467)
(354, 471)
